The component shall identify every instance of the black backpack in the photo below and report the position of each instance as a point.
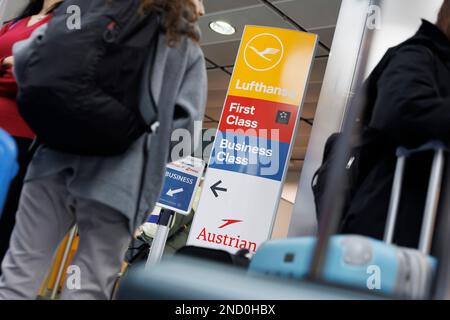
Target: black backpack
(352, 174)
(365, 150)
(81, 89)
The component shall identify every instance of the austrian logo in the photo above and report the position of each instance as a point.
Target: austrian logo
(263, 52)
(228, 240)
(229, 222)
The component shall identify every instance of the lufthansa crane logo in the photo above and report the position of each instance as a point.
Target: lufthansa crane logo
(263, 52)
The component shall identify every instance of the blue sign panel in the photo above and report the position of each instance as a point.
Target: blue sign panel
(250, 155)
(178, 191)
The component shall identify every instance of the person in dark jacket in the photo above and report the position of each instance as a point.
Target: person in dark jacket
(410, 103)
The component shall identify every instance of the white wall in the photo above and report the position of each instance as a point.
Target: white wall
(331, 106)
(281, 226)
(400, 19)
(10, 8)
(286, 206)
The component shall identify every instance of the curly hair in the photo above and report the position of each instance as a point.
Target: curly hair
(180, 18)
(444, 17)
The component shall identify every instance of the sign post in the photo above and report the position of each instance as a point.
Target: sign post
(181, 181)
(254, 142)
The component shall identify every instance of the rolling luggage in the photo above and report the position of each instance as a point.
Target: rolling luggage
(8, 165)
(239, 259)
(362, 262)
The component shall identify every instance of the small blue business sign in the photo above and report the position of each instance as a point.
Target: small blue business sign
(181, 181)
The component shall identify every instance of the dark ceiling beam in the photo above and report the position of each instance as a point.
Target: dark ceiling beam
(216, 66)
(291, 21)
(211, 119)
(285, 17)
(308, 121)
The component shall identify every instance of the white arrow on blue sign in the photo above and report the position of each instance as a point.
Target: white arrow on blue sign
(171, 192)
(181, 181)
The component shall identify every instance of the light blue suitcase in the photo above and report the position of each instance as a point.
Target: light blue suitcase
(8, 165)
(362, 262)
(355, 261)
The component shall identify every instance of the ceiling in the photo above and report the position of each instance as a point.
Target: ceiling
(316, 16)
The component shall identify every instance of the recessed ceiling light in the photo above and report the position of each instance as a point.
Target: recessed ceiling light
(222, 27)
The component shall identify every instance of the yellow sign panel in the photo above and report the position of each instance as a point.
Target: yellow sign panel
(273, 64)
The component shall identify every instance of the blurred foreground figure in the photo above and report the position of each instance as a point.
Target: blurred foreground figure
(409, 105)
(107, 196)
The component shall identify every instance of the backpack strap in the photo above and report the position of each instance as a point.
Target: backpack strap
(148, 106)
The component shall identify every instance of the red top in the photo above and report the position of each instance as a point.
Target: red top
(10, 119)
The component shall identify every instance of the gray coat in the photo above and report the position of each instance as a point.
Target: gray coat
(179, 85)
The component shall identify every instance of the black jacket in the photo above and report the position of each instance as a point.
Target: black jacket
(409, 102)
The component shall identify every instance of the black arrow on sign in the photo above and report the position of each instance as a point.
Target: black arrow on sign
(215, 187)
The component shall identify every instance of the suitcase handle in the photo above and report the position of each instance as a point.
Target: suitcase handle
(430, 146)
(432, 199)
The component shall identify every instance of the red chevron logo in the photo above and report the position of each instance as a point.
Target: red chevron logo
(229, 222)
